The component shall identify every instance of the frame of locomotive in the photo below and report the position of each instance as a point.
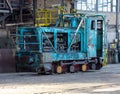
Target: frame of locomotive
(77, 42)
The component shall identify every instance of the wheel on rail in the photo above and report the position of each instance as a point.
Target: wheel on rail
(59, 69)
(72, 68)
(84, 67)
(93, 66)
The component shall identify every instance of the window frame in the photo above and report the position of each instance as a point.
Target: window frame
(96, 6)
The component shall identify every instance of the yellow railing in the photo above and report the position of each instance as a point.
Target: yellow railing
(45, 17)
(105, 61)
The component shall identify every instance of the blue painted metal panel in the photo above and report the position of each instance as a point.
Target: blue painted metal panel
(92, 43)
(92, 39)
(68, 56)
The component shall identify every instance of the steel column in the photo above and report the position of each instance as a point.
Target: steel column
(34, 10)
(117, 29)
(96, 7)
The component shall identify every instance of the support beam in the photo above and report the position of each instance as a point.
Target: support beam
(96, 7)
(4, 11)
(34, 10)
(9, 5)
(21, 9)
(117, 29)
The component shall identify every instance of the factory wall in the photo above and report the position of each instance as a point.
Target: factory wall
(111, 26)
(7, 55)
(7, 60)
(47, 4)
(51, 3)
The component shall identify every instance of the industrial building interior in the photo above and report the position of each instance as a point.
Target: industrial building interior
(18, 13)
(15, 14)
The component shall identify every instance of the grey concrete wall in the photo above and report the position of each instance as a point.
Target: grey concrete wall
(49, 3)
(111, 17)
(111, 27)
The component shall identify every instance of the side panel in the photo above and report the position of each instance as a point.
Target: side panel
(50, 57)
(92, 44)
(68, 56)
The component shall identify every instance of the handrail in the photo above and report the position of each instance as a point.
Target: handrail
(76, 33)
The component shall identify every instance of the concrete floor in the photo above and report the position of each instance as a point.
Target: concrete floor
(104, 81)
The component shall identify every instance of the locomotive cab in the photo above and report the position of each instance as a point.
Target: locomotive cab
(96, 37)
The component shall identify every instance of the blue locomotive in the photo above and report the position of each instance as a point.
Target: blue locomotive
(76, 43)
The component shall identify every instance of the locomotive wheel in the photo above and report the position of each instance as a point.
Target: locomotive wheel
(84, 67)
(93, 66)
(59, 69)
(72, 68)
(38, 70)
(98, 66)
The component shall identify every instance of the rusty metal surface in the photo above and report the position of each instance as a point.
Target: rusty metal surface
(7, 61)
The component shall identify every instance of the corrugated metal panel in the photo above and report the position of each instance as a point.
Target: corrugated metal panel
(7, 61)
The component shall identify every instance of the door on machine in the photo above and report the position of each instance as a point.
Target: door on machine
(92, 38)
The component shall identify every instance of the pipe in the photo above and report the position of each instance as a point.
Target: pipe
(117, 33)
